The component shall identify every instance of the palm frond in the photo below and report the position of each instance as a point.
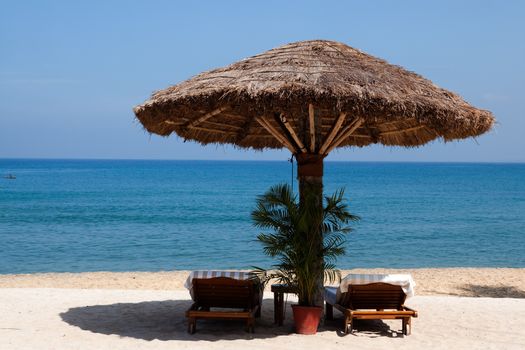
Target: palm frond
(305, 239)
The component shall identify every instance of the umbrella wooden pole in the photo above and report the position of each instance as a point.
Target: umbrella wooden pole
(310, 176)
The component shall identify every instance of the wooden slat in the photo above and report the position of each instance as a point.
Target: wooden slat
(345, 133)
(341, 134)
(171, 122)
(335, 129)
(281, 138)
(311, 122)
(209, 123)
(414, 128)
(199, 120)
(382, 313)
(285, 124)
(259, 135)
(408, 120)
(214, 130)
(361, 136)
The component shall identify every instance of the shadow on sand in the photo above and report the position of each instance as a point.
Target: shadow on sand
(165, 320)
(366, 328)
(475, 290)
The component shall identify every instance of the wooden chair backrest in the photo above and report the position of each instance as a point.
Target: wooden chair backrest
(382, 296)
(224, 292)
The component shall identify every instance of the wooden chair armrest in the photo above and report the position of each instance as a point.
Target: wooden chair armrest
(409, 309)
(344, 310)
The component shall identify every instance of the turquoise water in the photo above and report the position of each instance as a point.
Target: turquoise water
(87, 215)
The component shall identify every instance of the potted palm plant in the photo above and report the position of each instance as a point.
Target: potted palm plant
(290, 236)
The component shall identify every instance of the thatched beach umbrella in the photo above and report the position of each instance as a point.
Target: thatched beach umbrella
(311, 97)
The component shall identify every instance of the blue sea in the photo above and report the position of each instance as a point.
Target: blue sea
(120, 215)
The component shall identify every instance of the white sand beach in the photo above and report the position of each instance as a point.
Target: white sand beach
(458, 309)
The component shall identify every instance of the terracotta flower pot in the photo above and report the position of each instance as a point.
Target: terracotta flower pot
(306, 318)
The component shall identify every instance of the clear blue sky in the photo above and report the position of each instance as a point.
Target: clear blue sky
(71, 71)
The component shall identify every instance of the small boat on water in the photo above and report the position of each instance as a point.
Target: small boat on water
(10, 177)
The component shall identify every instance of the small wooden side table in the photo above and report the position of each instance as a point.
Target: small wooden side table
(278, 301)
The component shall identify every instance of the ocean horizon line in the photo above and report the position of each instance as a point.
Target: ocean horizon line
(261, 160)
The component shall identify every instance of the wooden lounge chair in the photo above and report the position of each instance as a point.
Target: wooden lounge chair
(243, 296)
(373, 301)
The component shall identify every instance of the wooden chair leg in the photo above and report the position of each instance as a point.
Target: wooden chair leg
(281, 308)
(348, 325)
(250, 325)
(276, 315)
(407, 325)
(329, 311)
(192, 325)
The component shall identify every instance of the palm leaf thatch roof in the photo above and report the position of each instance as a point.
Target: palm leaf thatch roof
(311, 97)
